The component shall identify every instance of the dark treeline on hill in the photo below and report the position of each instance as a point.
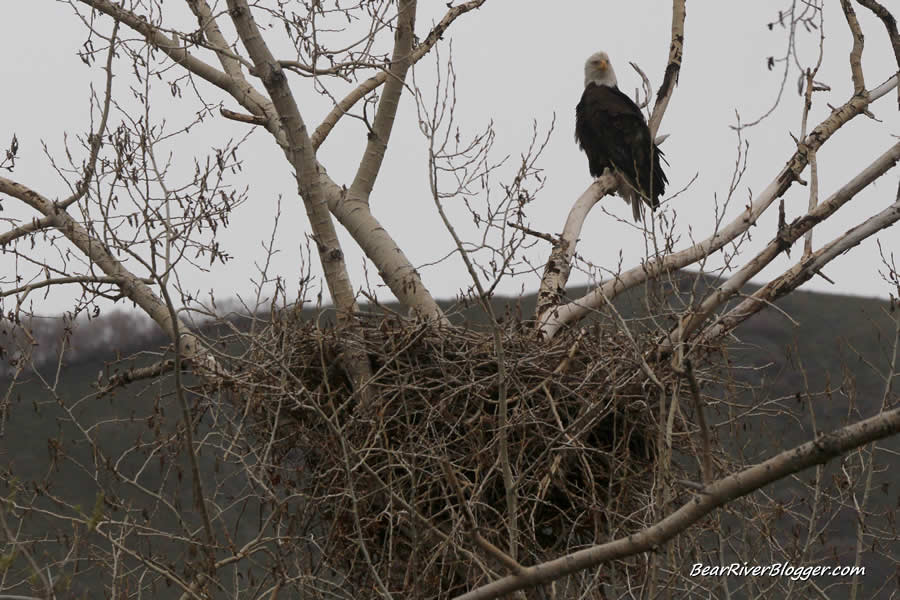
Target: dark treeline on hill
(812, 321)
(817, 360)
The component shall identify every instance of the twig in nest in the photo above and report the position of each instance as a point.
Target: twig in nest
(706, 463)
(691, 484)
(504, 558)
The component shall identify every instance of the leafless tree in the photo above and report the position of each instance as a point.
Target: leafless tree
(572, 453)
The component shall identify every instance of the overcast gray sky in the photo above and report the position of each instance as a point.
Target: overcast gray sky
(517, 62)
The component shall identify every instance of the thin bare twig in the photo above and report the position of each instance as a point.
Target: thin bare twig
(501, 556)
(706, 445)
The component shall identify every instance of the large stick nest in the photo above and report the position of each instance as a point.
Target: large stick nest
(581, 439)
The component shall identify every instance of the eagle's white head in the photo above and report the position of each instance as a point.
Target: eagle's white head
(598, 69)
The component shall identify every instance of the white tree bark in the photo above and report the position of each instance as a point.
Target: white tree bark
(302, 156)
(559, 265)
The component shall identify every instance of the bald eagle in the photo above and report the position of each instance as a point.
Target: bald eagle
(611, 130)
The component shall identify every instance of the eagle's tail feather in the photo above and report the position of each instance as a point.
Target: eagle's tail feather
(633, 197)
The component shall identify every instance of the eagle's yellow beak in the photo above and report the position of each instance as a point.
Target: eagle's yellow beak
(603, 64)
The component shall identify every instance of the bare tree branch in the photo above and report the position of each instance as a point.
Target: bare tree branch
(380, 135)
(859, 82)
(807, 106)
(96, 139)
(511, 493)
(26, 289)
(26, 229)
(242, 118)
(801, 272)
(248, 97)
(782, 242)
(559, 265)
(302, 156)
(890, 24)
(200, 500)
(502, 557)
(216, 40)
(673, 68)
(132, 286)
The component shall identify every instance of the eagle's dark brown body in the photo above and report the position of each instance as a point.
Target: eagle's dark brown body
(611, 130)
